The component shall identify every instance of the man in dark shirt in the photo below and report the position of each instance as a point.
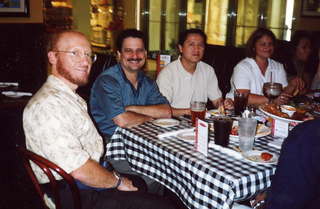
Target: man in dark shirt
(296, 183)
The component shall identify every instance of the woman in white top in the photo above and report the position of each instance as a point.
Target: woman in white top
(252, 72)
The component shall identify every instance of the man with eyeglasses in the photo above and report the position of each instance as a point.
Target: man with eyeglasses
(123, 96)
(58, 127)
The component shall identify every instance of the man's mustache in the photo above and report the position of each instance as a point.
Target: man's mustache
(137, 60)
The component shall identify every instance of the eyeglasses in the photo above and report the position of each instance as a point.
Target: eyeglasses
(77, 55)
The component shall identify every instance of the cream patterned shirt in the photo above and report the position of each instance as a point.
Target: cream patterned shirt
(58, 127)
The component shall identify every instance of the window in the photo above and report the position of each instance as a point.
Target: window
(226, 22)
(273, 14)
(162, 23)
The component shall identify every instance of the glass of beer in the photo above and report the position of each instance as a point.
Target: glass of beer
(198, 110)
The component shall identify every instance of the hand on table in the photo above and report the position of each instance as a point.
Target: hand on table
(295, 86)
(228, 104)
(126, 185)
(283, 98)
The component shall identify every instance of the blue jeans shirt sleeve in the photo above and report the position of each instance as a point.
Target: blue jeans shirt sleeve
(109, 97)
(155, 97)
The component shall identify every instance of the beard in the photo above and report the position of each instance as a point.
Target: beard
(78, 80)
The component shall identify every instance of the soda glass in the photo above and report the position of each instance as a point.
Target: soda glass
(240, 102)
(222, 129)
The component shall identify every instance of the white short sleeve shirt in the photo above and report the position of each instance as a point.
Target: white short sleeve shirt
(247, 75)
(180, 86)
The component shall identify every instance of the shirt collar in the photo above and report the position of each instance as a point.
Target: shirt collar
(57, 83)
(140, 75)
(184, 71)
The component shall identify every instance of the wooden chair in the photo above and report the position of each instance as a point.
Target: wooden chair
(47, 168)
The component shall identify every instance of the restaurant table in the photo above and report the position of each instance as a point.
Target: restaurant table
(11, 110)
(18, 102)
(215, 181)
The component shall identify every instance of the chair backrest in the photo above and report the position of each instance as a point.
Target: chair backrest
(47, 168)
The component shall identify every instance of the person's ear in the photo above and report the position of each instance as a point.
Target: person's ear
(52, 57)
(118, 55)
(180, 48)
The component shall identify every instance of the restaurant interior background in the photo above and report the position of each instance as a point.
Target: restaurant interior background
(226, 22)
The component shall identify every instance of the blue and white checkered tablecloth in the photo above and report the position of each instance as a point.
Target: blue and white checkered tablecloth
(215, 181)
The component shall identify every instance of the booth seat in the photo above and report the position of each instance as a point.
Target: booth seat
(223, 59)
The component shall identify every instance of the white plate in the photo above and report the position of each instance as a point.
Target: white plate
(8, 84)
(188, 136)
(316, 112)
(12, 94)
(254, 156)
(262, 130)
(166, 123)
(16, 94)
(214, 112)
(279, 118)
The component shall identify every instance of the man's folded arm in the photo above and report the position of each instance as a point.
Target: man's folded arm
(180, 111)
(129, 119)
(154, 111)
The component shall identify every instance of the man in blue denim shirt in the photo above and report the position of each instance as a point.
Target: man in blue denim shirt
(123, 96)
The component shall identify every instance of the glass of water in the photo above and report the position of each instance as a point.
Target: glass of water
(247, 132)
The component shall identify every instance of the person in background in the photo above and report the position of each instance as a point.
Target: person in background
(298, 65)
(189, 77)
(123, 96)
(316, 79)
(252, 72)
(58, 127)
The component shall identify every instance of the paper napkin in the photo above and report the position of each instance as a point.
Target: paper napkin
(277, 143)
(173, 133)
